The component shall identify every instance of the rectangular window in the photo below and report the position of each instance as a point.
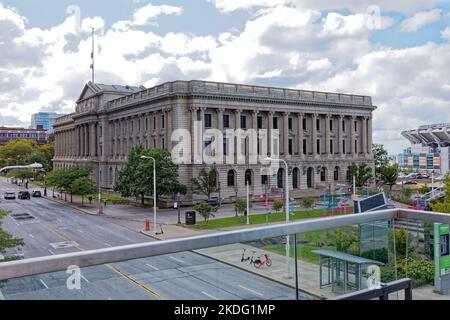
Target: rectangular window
(343, 125)
(290, 147)
(154, 123)
(163, 143)
(226, 120)
(318, 146)
(225, 146)
(208, 121)
(331, 146)
(275, 122)
(304, 146)
(318, 124)
(356, 126)
(260, 122)
(243, 122)
(162, 121)
(146, 124)
(304, 124)
(290, 123)
(331, 124)
(356, 146)
(343, 146)
(264, 179)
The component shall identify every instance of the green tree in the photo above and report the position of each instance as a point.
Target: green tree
(381, 158)
(424, 189)
(277, 205)
(205, 210)
(7, 241)
(389, 173)
(15, 152)
(307, 203)
(343, 240)
(362, 172)
(82, 187)
(206, 182)
(136, 177)
(407, 193)
(240, 205)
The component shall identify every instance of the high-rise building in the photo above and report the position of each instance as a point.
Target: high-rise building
(45, 119)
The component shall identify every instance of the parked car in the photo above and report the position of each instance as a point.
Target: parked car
(36, 194)
(24, 195)
(9, 196)
(213, 202)
(409, 182)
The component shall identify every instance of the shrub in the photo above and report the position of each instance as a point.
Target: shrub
(420, 271)
(277, 205)
(308, 203)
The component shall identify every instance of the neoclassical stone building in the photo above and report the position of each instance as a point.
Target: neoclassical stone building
(321, 133)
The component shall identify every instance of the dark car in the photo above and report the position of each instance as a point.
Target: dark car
(36, 194)
(9, 195)
(24, 195)
(213, 202)
(409, 182)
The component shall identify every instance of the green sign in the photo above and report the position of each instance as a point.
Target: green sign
(444, 229)
(441, 249)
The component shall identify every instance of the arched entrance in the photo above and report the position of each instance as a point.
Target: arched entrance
(248, 177)
(280, 178)
(295, 178)
(309, 177)
(323, 174)
(336, 173)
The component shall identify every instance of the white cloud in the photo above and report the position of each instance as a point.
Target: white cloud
(446, 33)
(420, 19)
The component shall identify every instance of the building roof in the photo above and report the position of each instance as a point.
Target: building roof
(346, 257)
(98, 88)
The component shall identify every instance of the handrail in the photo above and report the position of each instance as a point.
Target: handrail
(381, 293)
(40, 265)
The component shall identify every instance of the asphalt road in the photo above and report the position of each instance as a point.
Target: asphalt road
(57, 229)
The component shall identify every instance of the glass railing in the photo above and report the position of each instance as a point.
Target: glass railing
(315, 259)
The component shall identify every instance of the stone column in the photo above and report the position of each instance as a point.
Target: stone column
(314, 134)
(269, 133)
(327, 134)
(193, 111)
(352, 135)
(286, 134)
(369, 135)
(341, 134)
(237, 144)
(300, 117)
(169, 129)
(364, 135)
(93, 134)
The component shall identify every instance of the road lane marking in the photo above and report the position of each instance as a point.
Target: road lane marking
(153, 267)
(51, 251)
(80, 231)
(31, 235)
(45, 285)
(253, 291)
(84, 278)
(152, 292)
(176, 259)
(107, 244)
(208, 295)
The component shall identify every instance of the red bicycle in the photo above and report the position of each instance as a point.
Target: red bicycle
(258, 263)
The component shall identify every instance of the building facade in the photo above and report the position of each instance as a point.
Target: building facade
(428, 142)
(320, 134)
(44, 119)
(8, 134)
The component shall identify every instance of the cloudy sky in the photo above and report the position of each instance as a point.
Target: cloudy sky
(397, 51)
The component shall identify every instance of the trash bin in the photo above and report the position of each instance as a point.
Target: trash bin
(190, 218)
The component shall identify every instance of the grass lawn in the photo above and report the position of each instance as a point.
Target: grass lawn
(257, 219)
(304, 253)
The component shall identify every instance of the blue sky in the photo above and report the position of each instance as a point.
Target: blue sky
(329, 45)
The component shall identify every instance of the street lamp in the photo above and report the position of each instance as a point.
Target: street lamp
(286, 209)
(154, 191)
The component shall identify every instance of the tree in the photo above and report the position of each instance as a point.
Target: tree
(277, 205)
(424, 189)
(205, 210)
(308, 203)
(407, 193)
(136, 177)
(344, 240)
(381, 158)
(362, 172)
(15, 152)
(206, 182)
(7, 240)
(240, 205)
(389, 174)
(82, 187)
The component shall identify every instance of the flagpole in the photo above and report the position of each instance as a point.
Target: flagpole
(92, 57)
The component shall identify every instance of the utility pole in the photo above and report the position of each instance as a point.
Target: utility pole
(248, 203)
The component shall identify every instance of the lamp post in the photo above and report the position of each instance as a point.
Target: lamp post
(100, 209)
(248, 202)
(178, 208)
(286, 209)
(154, 191)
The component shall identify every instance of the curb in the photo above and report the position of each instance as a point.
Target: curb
(71, 206)
(149, 235)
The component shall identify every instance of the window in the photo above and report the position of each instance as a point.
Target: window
(248, 177)
(331, 124)
(225, 146)
(275, 122)
(154, 123)
(356, 126)
(343, 125)
(146, 124)
(356, 146)
(304, 123)
(318, 146)
(318, 124)
(226, 121)
(207, 120)
(331, 146)
(162, 121)
(230, 178)
(260, 124)
(290, 147)
(304, 146)
(243, 122)
(336, 174)
(295, 175)
(290, 123)
(343, 146)
(264, 179)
